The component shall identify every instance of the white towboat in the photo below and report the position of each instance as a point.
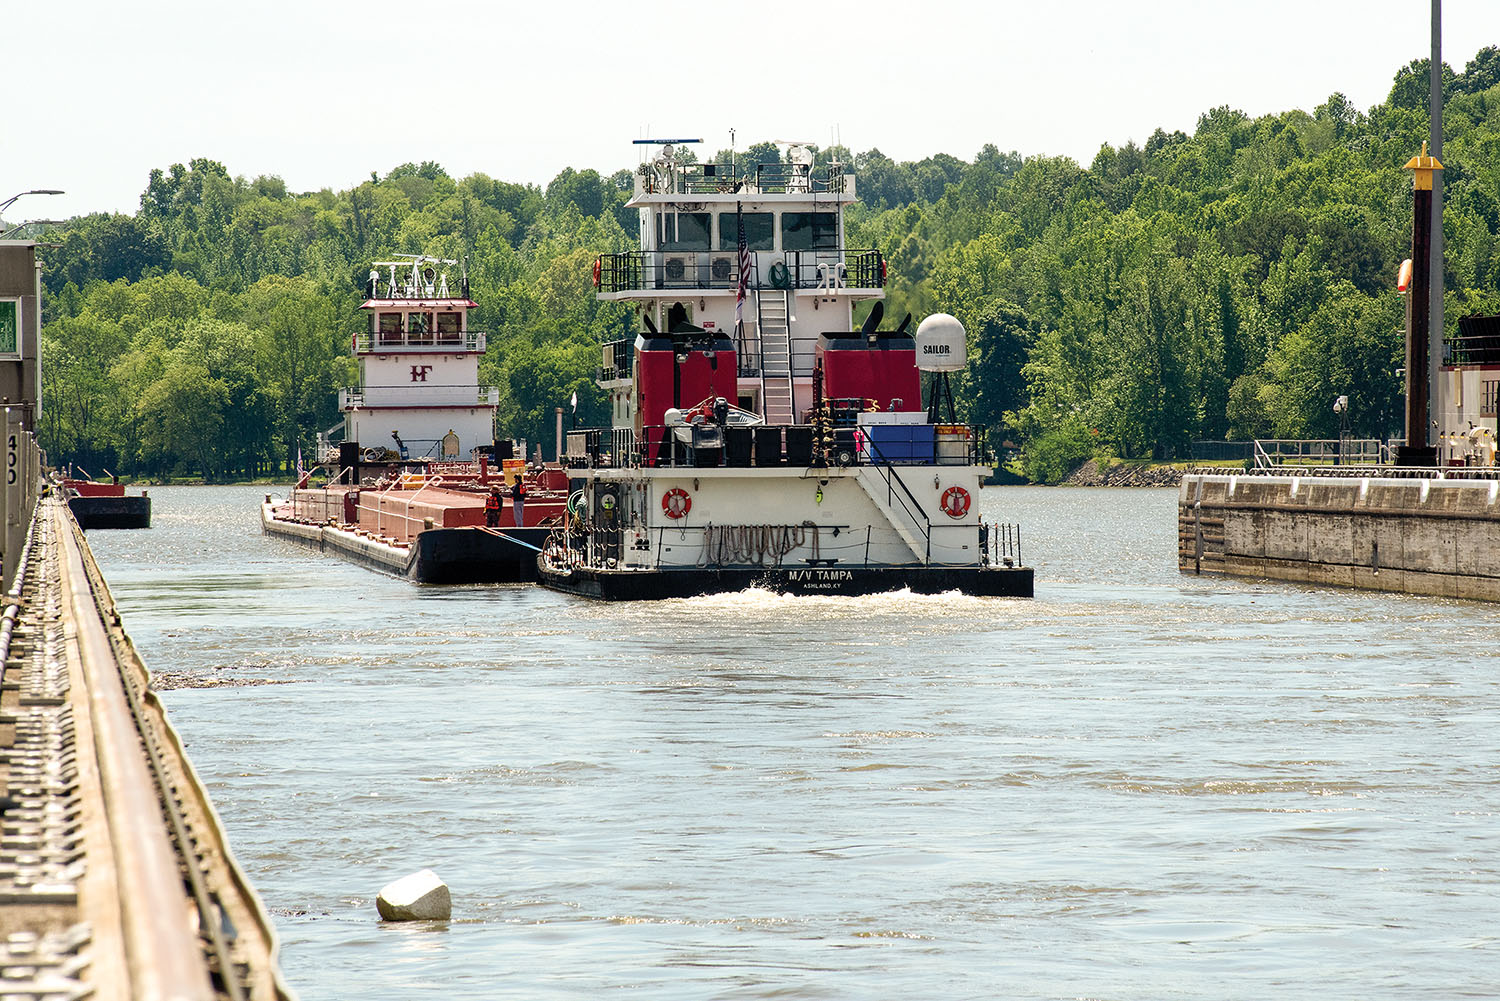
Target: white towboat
(758, 439)
(429, 508)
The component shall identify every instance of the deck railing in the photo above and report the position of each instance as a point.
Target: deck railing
(619, 360)
(1275, 452)
(726, 178)
(932, 445)
(793, 178)
(831, 270)
(367, 342)
(353, 397)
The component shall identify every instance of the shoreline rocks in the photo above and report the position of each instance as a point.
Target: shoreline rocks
(1096, 474)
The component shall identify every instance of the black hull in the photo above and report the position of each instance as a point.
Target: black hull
(111, 512)
(438, 556)
(476, 556)
(653, 585)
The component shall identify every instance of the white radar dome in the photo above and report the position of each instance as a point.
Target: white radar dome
(942, 344)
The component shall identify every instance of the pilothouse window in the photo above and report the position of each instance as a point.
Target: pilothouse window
(419, 328)
(682, 230)
(809, 231)
(390, 328)
(760, 231)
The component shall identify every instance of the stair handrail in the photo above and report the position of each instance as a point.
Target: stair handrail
(889, 472)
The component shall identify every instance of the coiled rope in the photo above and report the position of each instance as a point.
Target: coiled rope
(755, 544)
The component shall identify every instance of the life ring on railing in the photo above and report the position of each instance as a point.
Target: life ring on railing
(597, 270)
(676, 503)
(955, 503)
(780, 276)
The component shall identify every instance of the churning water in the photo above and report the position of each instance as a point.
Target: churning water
(1136, 785)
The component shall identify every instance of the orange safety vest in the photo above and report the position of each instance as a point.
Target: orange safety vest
(492, 502)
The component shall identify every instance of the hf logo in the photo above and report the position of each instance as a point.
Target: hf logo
(419, 372)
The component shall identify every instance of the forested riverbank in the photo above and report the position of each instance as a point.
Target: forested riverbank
(1230, 282)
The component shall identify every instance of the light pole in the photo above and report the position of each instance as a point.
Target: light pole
(34, 191)
(1341, 407)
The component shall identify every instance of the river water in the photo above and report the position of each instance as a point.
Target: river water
(1137, 785)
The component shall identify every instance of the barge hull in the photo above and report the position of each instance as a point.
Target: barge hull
(652, 585)
(111, 512)
(437, 556)
(477, 555)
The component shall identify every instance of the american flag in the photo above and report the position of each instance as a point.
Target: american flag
(739, 293)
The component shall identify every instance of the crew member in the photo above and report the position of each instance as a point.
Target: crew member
(518, 493)
(492, 507)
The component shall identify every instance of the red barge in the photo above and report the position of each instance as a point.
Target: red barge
(106, 505)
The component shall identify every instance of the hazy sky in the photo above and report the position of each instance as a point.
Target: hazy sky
(323, 93)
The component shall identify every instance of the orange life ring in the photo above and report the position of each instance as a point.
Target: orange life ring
(955, 502)
(596, 272)
(676, 503)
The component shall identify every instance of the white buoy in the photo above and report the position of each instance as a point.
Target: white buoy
(418, 897)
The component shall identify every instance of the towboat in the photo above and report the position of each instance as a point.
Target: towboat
(413, 499)
(758, 438)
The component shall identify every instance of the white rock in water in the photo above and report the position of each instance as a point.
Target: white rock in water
(418, 897)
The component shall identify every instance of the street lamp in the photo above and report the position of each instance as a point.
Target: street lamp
(1341, 407)
(34, 191)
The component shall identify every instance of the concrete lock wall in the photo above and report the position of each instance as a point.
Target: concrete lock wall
(20, 378)
(1423, 536)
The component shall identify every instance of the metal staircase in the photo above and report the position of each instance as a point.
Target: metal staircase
(895, 500)
(775, 355)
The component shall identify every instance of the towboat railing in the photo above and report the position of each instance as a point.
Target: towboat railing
(394, 341)
(832, 269)
(751, 359)
(601, 448)
(618, 360)
(808, 544)
(1000, 544)
(725, 178)
(793, 178)
(881, 445)
(354, 397)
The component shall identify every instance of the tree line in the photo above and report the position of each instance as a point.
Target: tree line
(1227, 283)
